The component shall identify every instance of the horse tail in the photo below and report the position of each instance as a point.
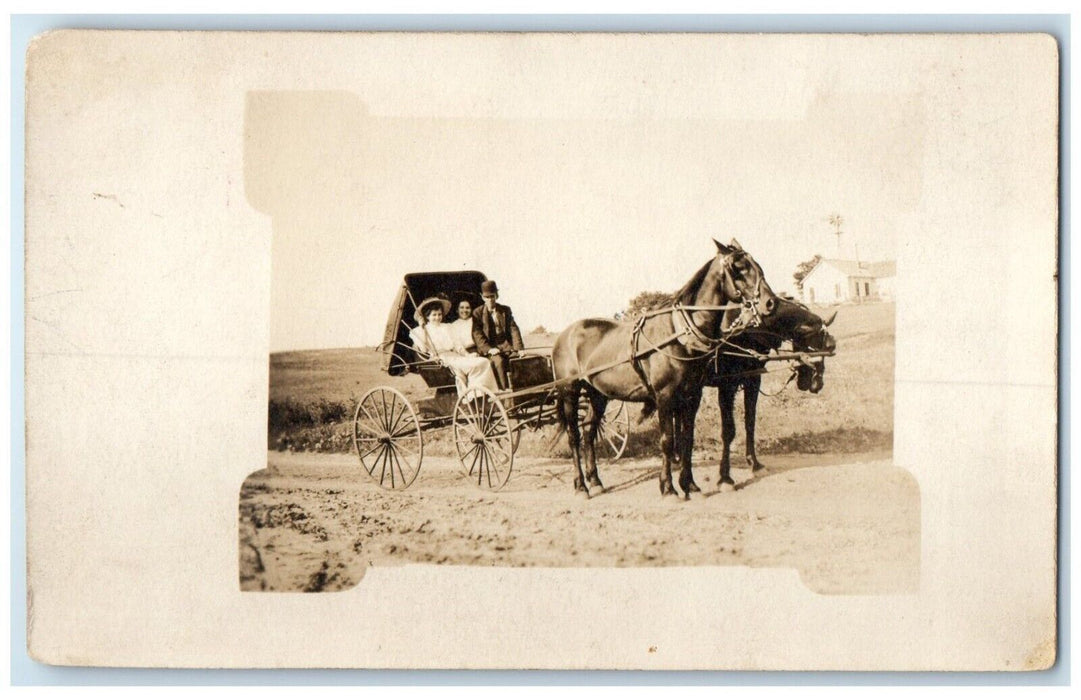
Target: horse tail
(559, 433)
(649, 407)
(561, 421)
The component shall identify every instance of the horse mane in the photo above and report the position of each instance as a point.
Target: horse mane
(689, 291)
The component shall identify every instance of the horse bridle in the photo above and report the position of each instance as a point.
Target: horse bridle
(749, 316)
(750, 305)
(804, 361)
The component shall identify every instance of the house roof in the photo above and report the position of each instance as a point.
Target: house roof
(853, 268)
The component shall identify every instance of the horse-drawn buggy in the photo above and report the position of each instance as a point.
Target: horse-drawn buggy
(721, 329)
(486, 425)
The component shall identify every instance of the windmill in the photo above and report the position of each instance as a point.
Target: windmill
(836, 220)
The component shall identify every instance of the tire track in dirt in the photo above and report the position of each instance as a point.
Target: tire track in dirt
(313, 522)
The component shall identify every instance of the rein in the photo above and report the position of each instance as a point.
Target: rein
(687, 332)
(706, 346)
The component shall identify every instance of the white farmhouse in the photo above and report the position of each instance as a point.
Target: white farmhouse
(834, 281)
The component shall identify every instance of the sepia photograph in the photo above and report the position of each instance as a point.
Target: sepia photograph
(531, 350)
(452, 430)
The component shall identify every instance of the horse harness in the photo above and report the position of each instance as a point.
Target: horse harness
(687, 333)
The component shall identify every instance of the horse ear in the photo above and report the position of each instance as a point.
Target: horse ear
(829, 320)
(722, 248)
(735, 244)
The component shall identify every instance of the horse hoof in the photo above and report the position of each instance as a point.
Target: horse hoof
(727, 487)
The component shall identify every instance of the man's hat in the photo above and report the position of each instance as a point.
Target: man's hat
(488, 287)
(424, 306)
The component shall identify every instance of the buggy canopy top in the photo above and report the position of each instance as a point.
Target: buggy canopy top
(397, 349)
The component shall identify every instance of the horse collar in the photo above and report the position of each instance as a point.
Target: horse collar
(689, 335)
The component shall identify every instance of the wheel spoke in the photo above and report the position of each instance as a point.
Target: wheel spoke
(477, 449)
(403, 428)
(468, 430)
(408, 456)
(468, 452)
(402, 446)
(397, 416)
(503, 449)
(383, 462)
(495, 427)
(372, 418)
(373, 449)
(387, 411)
(494, 467)
(392, 459)
(401, 470)
(477, 416)
(474, 422)
(369, 426)
(465, 410)
(371, 469)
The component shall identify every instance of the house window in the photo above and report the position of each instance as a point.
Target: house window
(837, 290)
(866, 289)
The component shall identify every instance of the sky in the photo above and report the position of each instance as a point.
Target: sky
(572, 211)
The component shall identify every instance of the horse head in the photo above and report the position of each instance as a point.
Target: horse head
(743, 280)
(810, 335)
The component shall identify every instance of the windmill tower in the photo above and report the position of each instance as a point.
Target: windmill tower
(836, 220)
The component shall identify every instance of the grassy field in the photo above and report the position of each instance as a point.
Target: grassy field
(313, 394)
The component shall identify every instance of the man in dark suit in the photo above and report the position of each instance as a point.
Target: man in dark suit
(495, 332)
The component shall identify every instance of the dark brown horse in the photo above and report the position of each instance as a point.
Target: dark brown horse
(737, 366)
(660, 360)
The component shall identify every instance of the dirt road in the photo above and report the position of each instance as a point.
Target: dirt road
(315, 522)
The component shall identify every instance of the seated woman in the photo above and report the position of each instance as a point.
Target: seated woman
(462, 327)
(434, 339)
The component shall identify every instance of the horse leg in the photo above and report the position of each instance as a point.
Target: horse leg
(597, 402)
(751, 387)
(726, 400)
(688, 412)
(568, 415)
(667, 426)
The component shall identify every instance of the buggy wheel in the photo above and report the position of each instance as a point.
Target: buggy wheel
(387, 437)
(614, 430)
(484, 438)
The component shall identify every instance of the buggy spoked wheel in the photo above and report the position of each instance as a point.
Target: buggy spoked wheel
(484, 438)
(614, 430)
(387, 437)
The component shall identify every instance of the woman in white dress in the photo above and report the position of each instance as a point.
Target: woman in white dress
(434, 338)
(462, 328)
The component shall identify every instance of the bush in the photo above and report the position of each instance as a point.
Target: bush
(289, 415)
